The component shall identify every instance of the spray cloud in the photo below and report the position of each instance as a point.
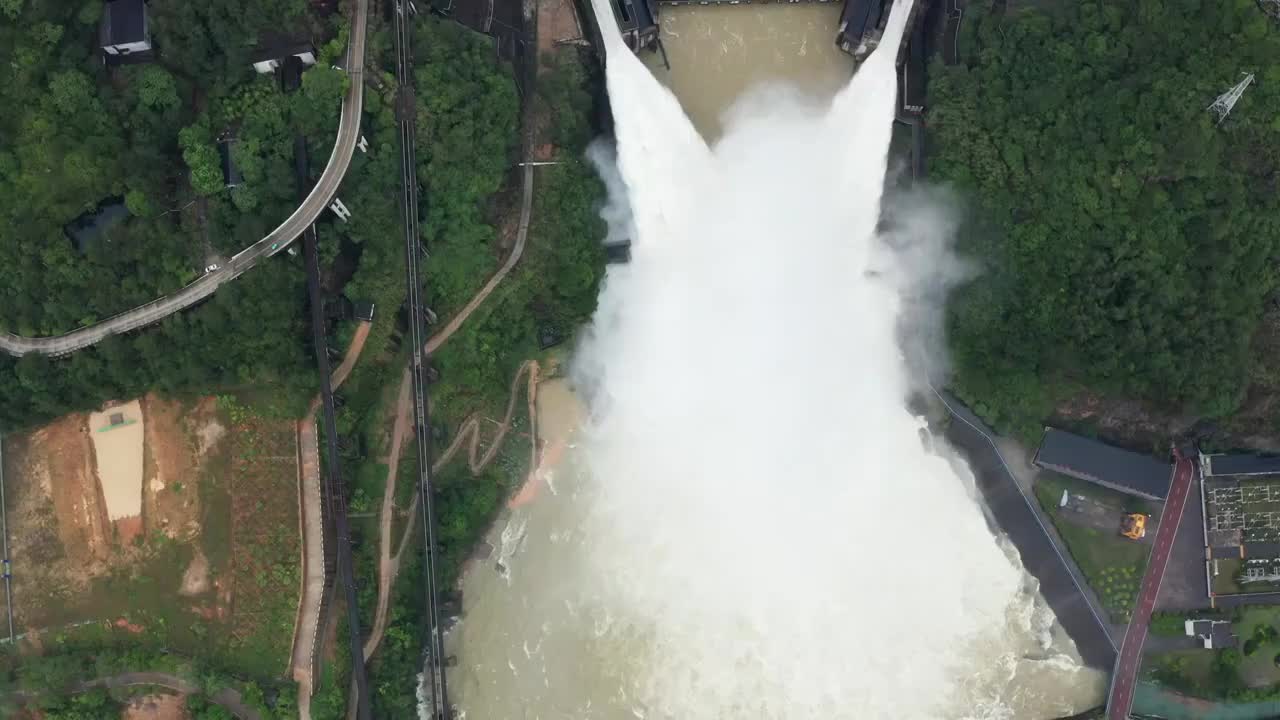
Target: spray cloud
(768, 535)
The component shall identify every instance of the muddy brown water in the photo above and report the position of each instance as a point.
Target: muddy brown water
(526, 650)
(718, 52)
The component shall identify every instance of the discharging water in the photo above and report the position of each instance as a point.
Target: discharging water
(748, 525)
(718, 52)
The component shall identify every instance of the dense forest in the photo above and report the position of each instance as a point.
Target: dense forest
(1129, 241)
(79, 134)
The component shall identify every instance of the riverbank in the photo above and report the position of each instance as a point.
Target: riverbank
(512, 635)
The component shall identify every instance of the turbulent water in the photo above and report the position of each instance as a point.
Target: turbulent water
(753, 525)
(717, 53)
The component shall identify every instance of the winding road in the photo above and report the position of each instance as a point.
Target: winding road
(275, 241)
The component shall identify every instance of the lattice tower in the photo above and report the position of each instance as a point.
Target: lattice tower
(1227, 100)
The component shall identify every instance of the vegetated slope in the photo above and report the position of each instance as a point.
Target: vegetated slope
(75, 134)
(467, 100)
(1128, 242)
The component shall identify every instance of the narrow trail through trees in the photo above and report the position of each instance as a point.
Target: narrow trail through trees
(389, 564)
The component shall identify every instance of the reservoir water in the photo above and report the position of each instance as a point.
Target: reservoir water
(718, 52)
(734, 515)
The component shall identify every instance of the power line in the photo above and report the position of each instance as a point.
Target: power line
(439, 701)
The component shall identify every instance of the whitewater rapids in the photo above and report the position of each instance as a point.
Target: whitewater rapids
(753, 525)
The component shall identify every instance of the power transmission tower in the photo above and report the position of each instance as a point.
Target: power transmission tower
(1227, 100)
(1270, 7)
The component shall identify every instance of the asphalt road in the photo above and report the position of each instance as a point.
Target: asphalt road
(275, 241)
(1125, 676)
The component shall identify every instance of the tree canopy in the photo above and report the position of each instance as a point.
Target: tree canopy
(77, 135)
(1128, 240)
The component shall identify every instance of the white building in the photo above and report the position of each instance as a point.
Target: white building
(269, 58)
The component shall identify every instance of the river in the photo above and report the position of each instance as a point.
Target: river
(638, 596)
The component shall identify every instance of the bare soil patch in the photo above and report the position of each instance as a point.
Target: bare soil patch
(196, 578)
(178, 439)
(557, 24)
(213, 567)
(58, 529)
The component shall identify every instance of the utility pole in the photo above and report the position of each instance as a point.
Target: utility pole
(1227, 100)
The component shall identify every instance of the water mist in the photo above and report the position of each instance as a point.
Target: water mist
(763, 533)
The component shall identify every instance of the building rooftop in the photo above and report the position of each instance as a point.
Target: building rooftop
(277, 48)
(124, 21)
(1242, 464)
(1215, 634)
(91, 226)
(618, 252)
(231, 176)
(1095, 461)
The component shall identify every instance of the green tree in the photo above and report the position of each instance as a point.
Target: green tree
(1128, 242)
(156, 88)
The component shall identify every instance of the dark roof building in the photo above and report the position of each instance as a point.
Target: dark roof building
(619, 252)
(364, 311)
(861, 24)
(913, 70)
(1240, 465)
(274, 50)
(1213, 634)
(638, 21)
(1097, 462)
(125, 28)
(90, 227)
(231, 176)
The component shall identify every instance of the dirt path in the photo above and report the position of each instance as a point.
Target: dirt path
(228, 698)
(388, 564)
(469, 433)
(522, 234)
(306, 626)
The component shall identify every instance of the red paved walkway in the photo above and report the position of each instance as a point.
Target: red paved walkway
(1125, 676)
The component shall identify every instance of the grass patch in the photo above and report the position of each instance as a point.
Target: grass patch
(1224, 582)
(215, 507)
(1257, 632)
(1182, 670)
(367, 487)
(264, 576)
(407, 476)
(1050, 485)
(1113, 565)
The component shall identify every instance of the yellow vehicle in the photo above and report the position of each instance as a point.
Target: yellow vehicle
(1133, 526)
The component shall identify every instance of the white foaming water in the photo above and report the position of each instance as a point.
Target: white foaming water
(752, 525)
(767, 536)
